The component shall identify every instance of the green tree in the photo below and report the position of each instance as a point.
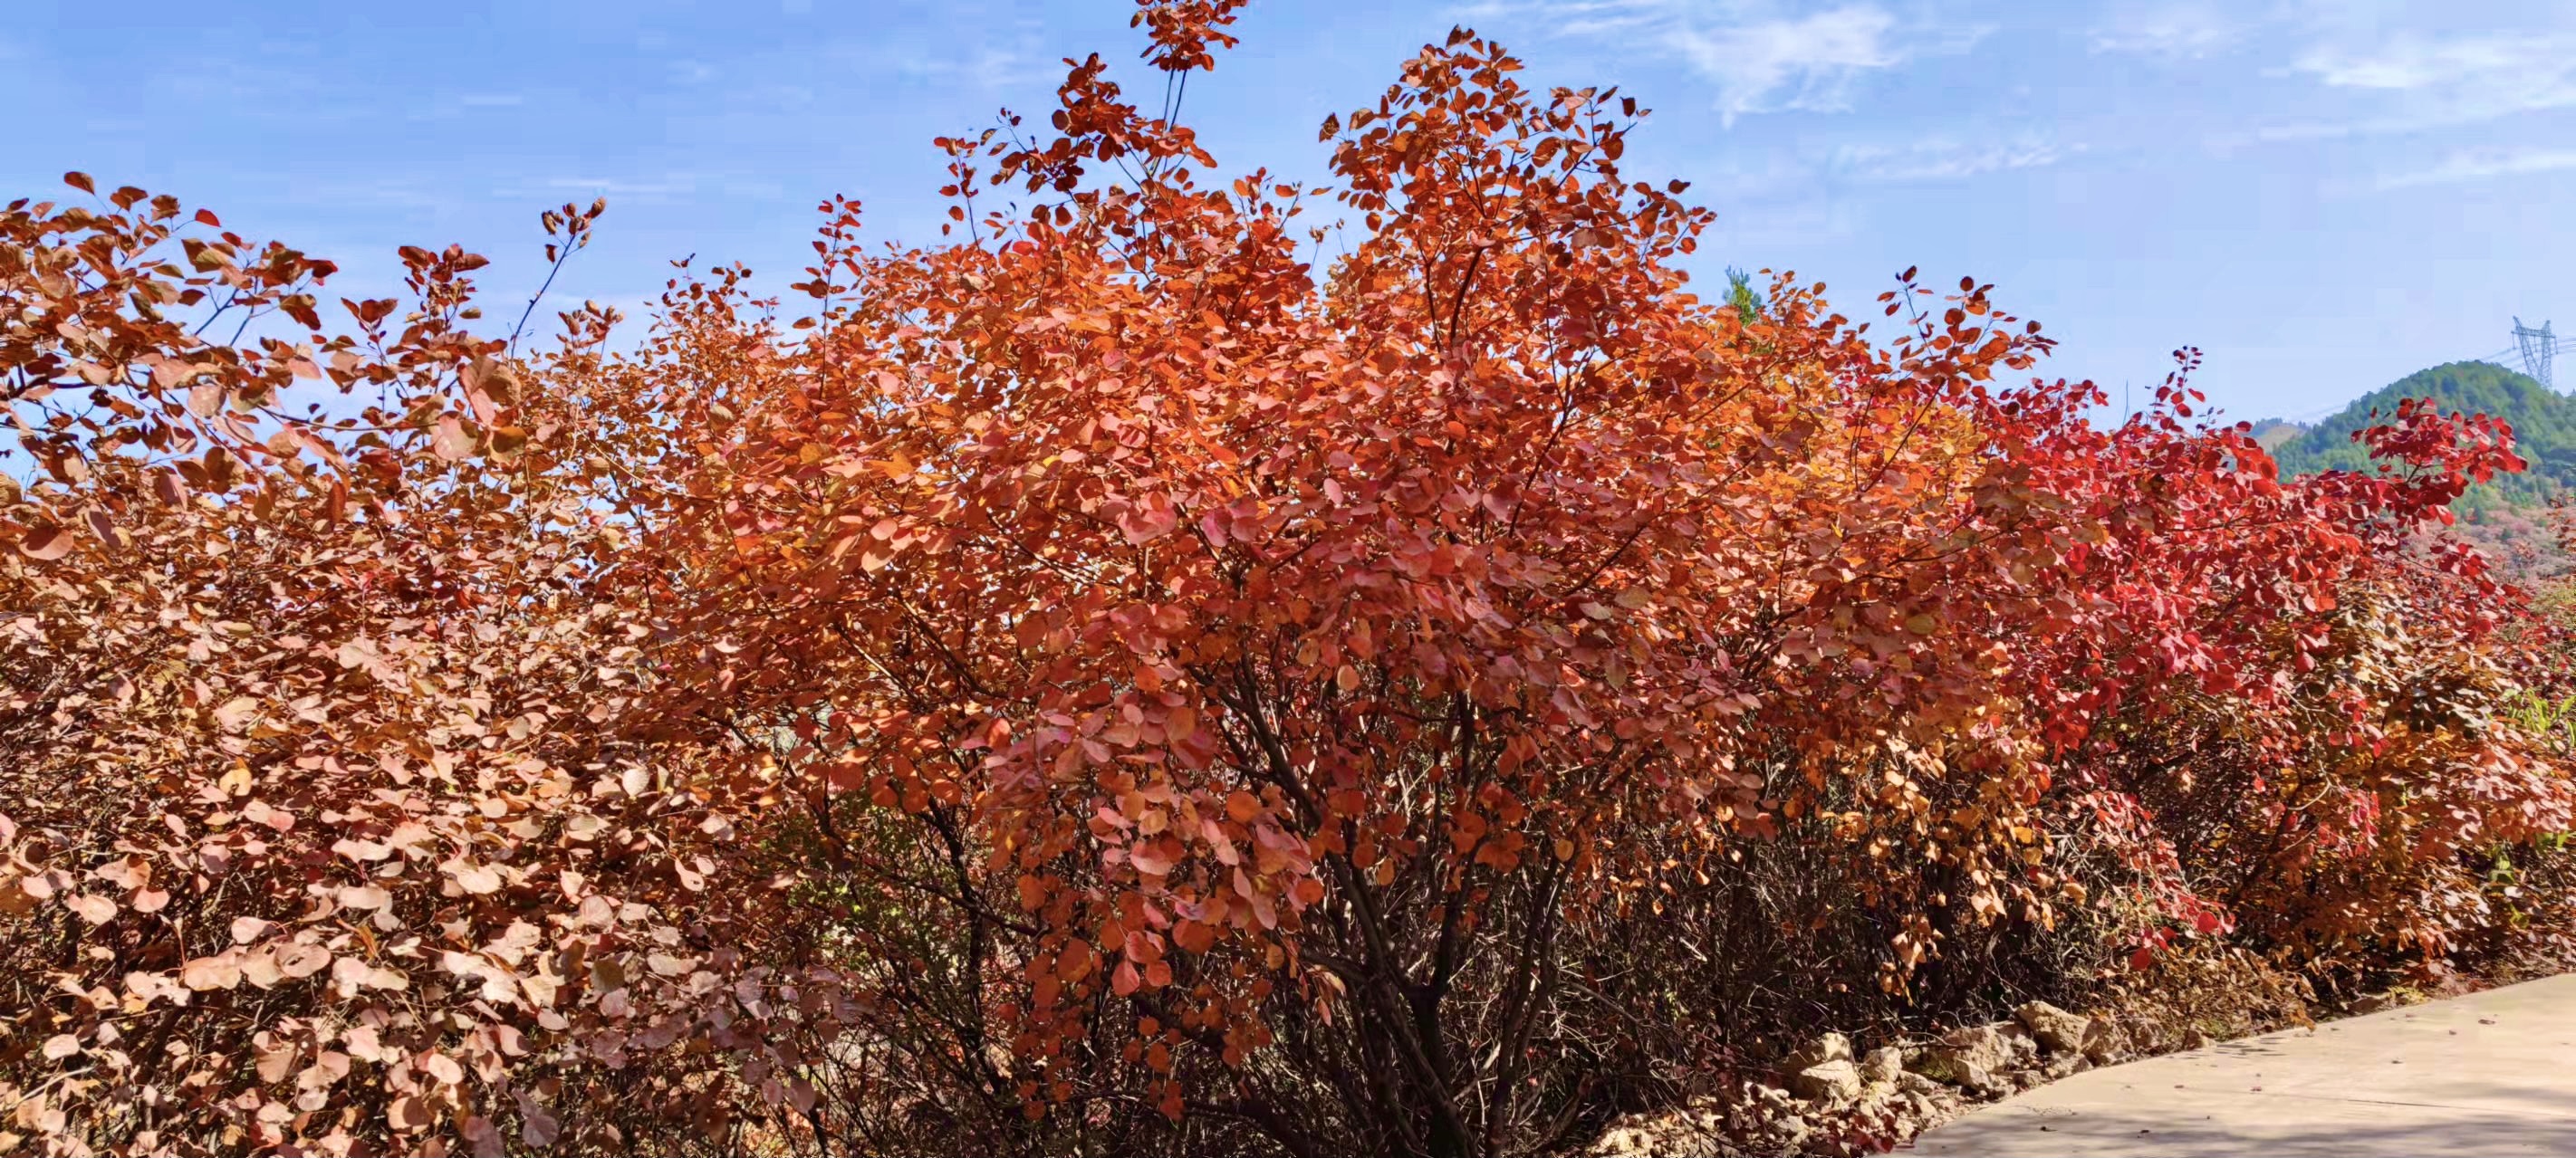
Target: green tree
(1741, 295)
(2544, 428)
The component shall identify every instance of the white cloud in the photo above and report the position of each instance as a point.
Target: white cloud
(989, 67)
(669, 185)
(2178, 29)
(987, 64)
(1567, 17)
(2409, 63)
(1943, 160)
(1806, 65)
(410, 195)
(2431, 83)
(1761, 59)
(450, 106)
(2393, 76)
(1786, 226)
(673, 185)
(2481, 165)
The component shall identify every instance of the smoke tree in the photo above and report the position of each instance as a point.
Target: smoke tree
(1116, 680)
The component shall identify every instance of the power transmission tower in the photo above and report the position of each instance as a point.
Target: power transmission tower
(2538, 348)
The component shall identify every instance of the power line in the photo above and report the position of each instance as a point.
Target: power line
(2534, 352)
(2511, 354)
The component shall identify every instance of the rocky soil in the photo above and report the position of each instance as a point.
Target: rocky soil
(1827, 1099)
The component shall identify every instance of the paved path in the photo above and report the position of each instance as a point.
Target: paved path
(2488, 1074)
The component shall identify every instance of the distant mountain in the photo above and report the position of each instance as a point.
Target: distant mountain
(2273, 433)
(2544, 432)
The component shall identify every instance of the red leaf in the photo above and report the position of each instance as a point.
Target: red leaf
(45, 544)
(1149, 520)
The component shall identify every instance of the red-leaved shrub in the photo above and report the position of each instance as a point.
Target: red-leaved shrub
(1103, 684)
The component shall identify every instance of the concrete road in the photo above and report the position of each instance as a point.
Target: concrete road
(2492, 1073)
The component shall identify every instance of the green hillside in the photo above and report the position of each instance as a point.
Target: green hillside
(2544, 429)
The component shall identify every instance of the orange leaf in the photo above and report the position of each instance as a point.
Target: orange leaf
(450, 440)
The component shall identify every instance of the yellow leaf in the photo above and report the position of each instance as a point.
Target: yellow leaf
(235, 713)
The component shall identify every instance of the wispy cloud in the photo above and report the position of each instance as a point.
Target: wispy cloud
(450, 106)
(669, 185)
(409, 195)
(1807, 64)
(989, 59)
(2409, 63)
(1944, 160)
(677, 185)
(651, 188)
(2172, 29)
(988, 67)
(2429, 83)
(1773, 228)
(2485, 164)
(1761, 59)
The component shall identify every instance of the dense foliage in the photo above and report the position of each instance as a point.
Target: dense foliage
(1102, 684)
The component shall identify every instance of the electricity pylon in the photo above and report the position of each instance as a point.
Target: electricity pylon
(2538, 348)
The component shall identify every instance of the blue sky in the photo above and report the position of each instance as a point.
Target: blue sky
(2323, 195)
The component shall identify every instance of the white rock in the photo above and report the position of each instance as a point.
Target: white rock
(1883, 1064)
(1831, 1047)
(2059, 1030)
(1832, 1083)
